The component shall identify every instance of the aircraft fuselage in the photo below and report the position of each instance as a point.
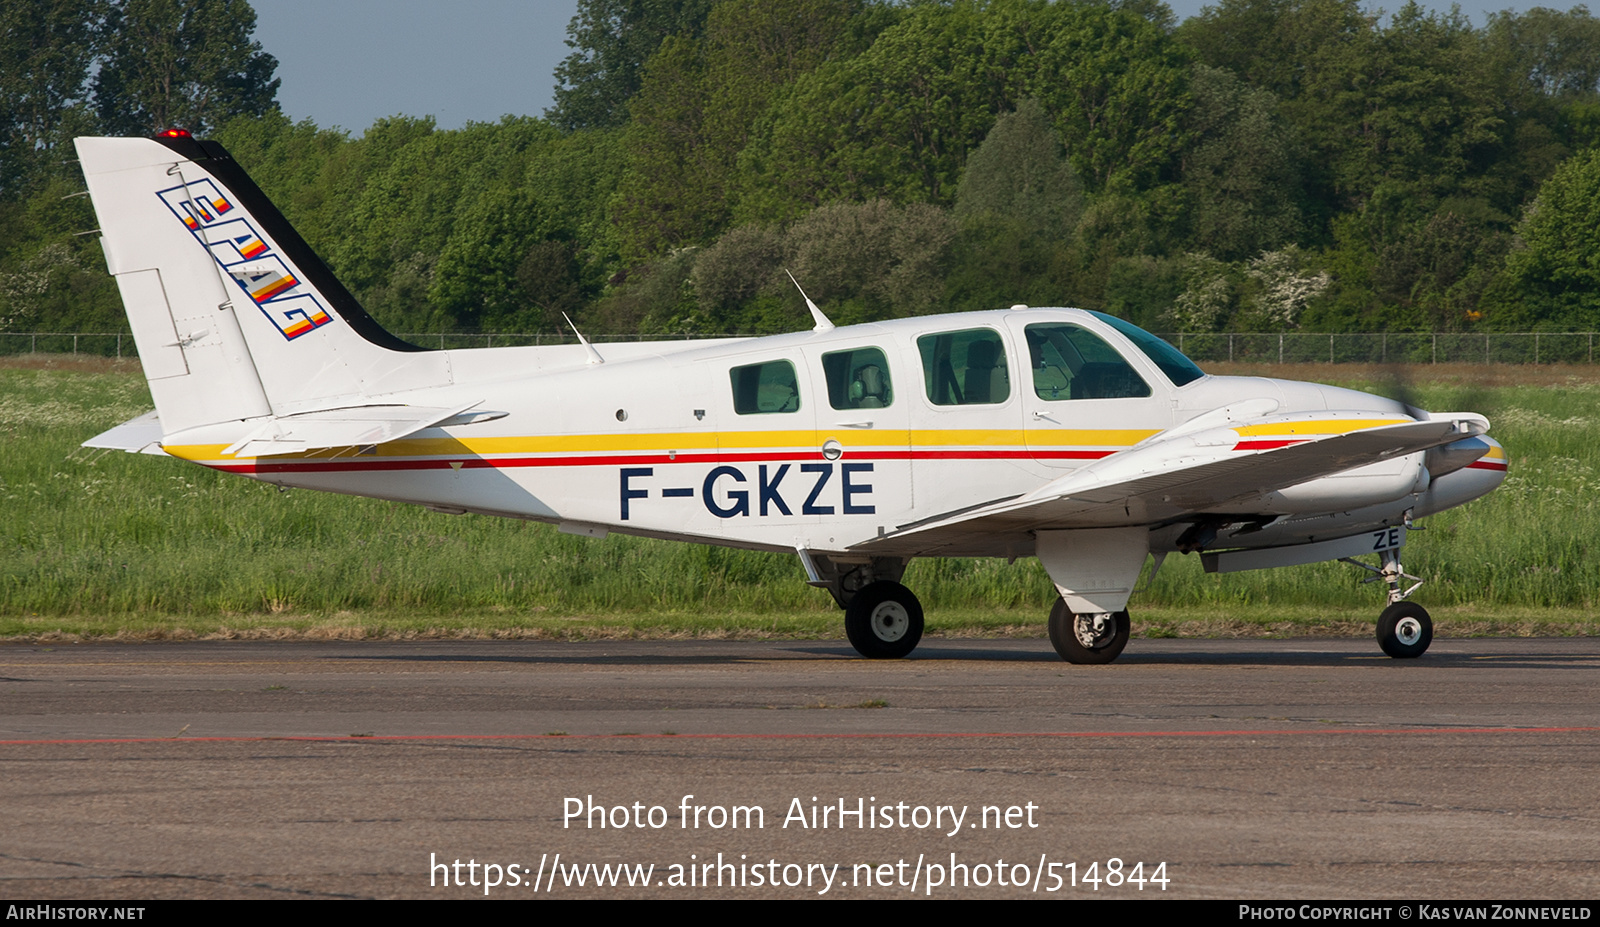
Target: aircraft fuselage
(659, 441)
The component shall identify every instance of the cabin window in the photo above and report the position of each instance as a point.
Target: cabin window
(1074, 363)
(965, 368)
(858, 379)
(760, 389)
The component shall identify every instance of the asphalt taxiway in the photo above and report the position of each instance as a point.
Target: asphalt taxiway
(1250, 769)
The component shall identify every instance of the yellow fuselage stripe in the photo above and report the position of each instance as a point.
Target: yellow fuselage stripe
(751, 440)
(710, 441)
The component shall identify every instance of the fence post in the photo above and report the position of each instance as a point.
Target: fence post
(1536, 347)
(1486, 347)
(1230, 347)
(1330, 347)
(74, 345)
(1436, 347)
(119, 346)
(1280, 347)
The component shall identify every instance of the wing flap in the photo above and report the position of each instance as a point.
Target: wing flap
(1214, 469)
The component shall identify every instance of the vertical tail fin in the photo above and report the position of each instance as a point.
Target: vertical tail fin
(234, 316)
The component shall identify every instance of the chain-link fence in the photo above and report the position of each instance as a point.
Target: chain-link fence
(1390, 347)
(99, 344)
(112, 344)
(1284, 348)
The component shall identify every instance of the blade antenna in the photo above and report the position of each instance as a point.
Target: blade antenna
(594, 356)
(816, 314)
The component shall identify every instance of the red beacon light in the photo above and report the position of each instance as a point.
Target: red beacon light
(176, 133)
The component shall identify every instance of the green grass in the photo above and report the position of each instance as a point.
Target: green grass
(119, 545)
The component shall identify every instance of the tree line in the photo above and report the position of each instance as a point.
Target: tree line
(1266, 165)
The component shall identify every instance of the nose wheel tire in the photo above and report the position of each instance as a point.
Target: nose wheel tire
(1405, 630)
(883, 621)
(1088, 637)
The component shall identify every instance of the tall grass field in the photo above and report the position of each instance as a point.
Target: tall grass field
(97, 543)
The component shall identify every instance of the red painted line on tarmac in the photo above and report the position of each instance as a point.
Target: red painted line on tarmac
(311, 738)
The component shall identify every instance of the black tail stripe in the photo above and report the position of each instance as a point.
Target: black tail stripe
(215, 159)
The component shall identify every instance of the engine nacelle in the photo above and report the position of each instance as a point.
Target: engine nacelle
(1467, 482)
(1374, 484)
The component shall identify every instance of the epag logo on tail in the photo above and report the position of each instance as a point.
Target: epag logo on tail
(245, 257)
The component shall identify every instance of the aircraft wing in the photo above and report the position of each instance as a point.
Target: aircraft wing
(1181, 472)
(349, 427)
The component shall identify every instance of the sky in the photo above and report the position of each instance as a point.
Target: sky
(348, 63)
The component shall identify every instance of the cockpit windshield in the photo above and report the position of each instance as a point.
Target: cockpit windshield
(1179, 369)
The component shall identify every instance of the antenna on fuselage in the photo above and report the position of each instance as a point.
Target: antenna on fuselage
(822, 321)
(594, 356)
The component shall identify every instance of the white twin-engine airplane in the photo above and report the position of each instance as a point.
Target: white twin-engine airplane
(1061, 434)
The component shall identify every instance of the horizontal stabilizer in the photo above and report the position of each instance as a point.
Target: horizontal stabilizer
(141, 435)
(356, 426)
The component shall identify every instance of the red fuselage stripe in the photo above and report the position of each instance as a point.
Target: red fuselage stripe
(613, 460)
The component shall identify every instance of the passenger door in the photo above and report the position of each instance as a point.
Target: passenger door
(863, 427)
(966, 438)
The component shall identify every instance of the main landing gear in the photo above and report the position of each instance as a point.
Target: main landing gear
(1088, 637)
(882, 618)
(1404, 628)
(883, 621)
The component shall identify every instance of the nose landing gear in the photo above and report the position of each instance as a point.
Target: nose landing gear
(1404, 629)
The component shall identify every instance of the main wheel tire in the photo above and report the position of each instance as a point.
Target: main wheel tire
(1405, 630)
(883, 621)
(1077, 640)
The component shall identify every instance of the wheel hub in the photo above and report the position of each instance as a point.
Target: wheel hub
(890, 621)
(1093, 631)
(1408, 631)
